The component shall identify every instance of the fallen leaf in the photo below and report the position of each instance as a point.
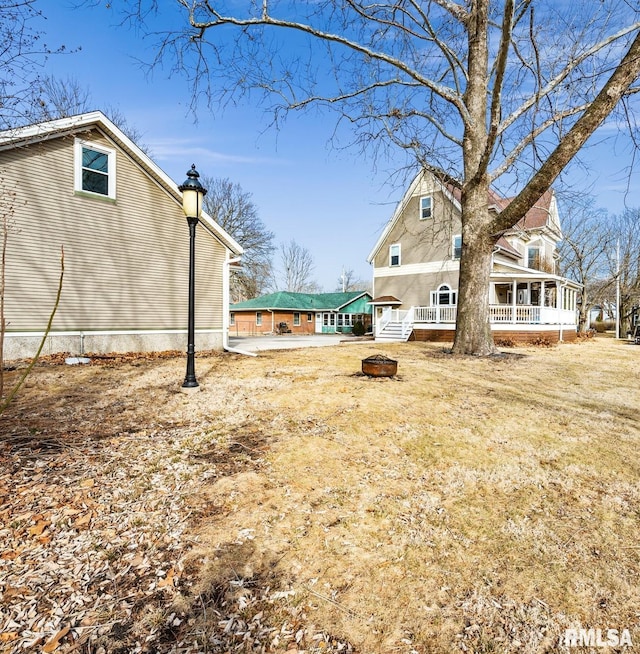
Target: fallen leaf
(54, 643)
(83, 519)
(39, 527)
(167, 580)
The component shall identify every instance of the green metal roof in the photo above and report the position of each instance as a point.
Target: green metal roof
(299, 301)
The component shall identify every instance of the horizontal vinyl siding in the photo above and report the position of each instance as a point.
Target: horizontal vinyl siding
(126, 263)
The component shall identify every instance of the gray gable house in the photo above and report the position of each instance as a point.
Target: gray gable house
(416, 264)
(81, 184)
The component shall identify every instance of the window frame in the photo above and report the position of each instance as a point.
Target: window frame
(258, 318)
(232, 318)
(422, 208)
(296, 319)
(79, 146)
(455, 249)
(391, 256)
(444, 289)
(538, 257)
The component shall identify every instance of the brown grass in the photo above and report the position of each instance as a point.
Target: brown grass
(468, 504)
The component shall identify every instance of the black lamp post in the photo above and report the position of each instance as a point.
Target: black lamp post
(192, 194)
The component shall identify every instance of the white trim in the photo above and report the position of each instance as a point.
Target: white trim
(449, 265)
(399, 246)
(453, 247)
(430, 216)
(78, 147)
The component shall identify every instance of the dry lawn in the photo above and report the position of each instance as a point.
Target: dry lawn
(468, 504)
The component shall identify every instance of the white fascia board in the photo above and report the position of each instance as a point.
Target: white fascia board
(54, 128)
(357, 297)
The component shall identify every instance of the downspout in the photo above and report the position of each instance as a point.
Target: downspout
(225, 312)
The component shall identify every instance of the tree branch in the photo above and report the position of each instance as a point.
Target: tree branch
(624, 75)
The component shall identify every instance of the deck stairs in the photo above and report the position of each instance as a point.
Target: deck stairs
(394, 332)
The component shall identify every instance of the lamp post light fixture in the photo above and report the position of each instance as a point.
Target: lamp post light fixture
(192, 195)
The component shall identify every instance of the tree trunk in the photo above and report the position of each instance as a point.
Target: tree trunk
(473, 330)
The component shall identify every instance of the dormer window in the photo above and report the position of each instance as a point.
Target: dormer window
(533, 258)
(426, 207)
(95, 169)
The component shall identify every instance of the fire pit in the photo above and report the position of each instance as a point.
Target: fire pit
(379, 365)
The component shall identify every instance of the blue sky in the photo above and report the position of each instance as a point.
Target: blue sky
(332, 202)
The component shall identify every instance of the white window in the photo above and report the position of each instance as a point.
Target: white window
(394, 254)
(309, 317)
(445, 295)
(426, 207)
(457, 246)
(232, 319)
(95, 169)
(533, 258)
(258, 318)
(296, 319)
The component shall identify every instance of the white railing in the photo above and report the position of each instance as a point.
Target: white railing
(438, 314)
(514, 314)
(392, 315)
(398, 317)
(499, 313)
(407, 324)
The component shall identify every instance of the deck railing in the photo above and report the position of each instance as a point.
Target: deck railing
(498, 313)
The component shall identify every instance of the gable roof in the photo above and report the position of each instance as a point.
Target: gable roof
(284, 300)
(72, 125)
(544, 212)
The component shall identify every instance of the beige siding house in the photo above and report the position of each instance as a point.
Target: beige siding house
(416, 265)
(80, 184)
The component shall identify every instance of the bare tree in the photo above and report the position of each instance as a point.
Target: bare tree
(588, 238)
(7, 211)
(22, 53)
(53, 98)
(297, 269)
(624, 265)
(348, 281)
(8, 199)
(116, 116)
(492, 91)
(233, 209)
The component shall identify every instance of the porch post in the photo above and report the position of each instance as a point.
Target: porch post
(514, 298)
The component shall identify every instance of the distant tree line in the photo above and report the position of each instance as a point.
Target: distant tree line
(602, 252)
